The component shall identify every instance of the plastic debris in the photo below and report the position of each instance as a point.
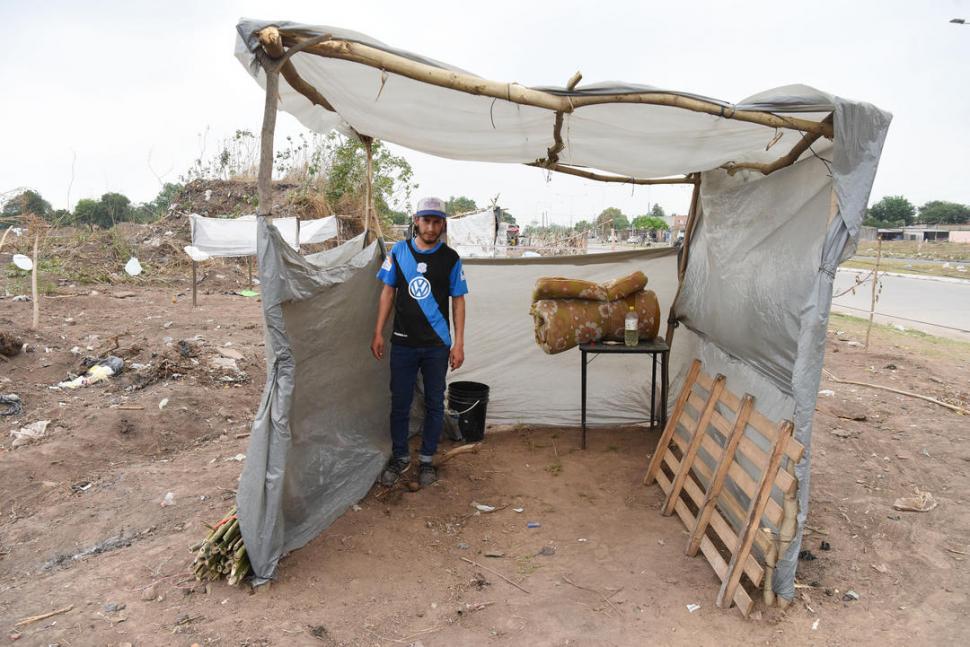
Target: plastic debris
(518, 510)
(247, 293)
(99, 372)
(196, 254)
(133, 267)
(356, 508)
(815, 624)
(22, 298)
(168, 500)
(481, 507)
(828, 393)
(30, 433)
(582, 540)
(850, 596)
(922, 502)
(162, 404)
(12, 403)
(693, 607)
(23, 262)
(533, 524)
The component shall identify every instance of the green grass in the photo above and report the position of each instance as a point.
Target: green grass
(942, 251)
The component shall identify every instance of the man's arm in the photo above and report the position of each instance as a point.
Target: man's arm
(457, 357)
(383, 312)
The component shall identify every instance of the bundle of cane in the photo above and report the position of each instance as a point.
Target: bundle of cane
(222, 553)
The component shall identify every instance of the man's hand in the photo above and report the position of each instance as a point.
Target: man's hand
(377, 346)
(457, 357)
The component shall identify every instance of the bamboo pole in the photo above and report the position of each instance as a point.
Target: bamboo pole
(602, 177)
(195, 285)
(786, 160)
(875, 291)
(515, 93)
(249, 267)
(33, 286)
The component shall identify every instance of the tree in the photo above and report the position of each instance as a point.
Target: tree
(87, 212)
(658, 212)
(583, 225)
(347, 176)
(938, 212)
(27, 202)
(117, 208)
(650, 223)
(507, 217)
(891, 211)
(460, 204)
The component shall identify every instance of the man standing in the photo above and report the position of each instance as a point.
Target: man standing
(419, 276)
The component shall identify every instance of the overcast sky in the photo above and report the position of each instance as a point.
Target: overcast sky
(125, 90)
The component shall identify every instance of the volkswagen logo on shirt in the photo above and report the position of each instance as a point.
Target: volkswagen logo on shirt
(419, 288)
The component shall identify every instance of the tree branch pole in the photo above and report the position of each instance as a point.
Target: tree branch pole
(515, 93)
(33, 285)
(682, 261)
(875, 290)
(264, 183)
(619, 179)
(369, 189)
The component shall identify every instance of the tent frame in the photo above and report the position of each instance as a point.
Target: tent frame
(278, 46)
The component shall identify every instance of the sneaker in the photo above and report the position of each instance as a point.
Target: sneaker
(427, 474)
(396, 467)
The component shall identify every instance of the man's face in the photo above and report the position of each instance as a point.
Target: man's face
(429, 228)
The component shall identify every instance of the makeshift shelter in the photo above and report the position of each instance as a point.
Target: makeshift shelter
(781, 181)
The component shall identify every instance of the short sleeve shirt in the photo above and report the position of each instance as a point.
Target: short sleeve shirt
(424, 281)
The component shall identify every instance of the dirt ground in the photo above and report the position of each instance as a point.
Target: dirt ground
(81, 525)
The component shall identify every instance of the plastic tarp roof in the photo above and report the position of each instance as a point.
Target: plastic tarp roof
(754, 301)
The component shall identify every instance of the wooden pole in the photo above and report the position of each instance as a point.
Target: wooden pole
(249, 266)
(787, 160)
(619, 179)
(369, 189)
(515, 93)
(875, 290)
(685, 252)
(195, 285)
(33, 285)
(264, 184)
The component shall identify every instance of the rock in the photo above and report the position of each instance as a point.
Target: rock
(494, 553)
(223, 363)
(149, 594)
(231, 353)
(850, 596)
(847, 410)
(806, 556)
(547, 551)
(122, 294)
(462, 546)
(113, 607)
(845, 433)
(825, 545)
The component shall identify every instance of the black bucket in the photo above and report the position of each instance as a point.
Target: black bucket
(467, 402)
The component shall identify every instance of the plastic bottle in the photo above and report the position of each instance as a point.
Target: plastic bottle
(631, 332)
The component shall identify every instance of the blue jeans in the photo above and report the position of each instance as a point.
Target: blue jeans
(406, 361)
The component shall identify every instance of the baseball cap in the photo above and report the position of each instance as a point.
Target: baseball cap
(431, 207)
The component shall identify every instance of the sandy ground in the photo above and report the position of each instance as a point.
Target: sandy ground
(603, 568)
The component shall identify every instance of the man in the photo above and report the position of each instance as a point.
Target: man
(419, 276)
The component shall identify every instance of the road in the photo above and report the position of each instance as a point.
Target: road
(937, 307)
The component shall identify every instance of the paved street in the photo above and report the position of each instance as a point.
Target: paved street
(924, 301)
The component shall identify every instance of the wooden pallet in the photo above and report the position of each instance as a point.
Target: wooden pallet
(718, 478)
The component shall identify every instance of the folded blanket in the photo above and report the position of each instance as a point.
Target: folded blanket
(561, 324)
(556, 287)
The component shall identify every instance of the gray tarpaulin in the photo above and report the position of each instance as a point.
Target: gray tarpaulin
(755, 299)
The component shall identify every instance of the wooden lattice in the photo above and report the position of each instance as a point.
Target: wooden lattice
(712, 465)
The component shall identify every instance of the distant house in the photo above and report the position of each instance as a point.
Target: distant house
(678, 224)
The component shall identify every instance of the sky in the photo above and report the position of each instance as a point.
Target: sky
(122, 96)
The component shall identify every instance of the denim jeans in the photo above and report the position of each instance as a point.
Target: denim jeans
(406, 361)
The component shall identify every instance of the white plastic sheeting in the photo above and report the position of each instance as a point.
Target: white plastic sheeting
(758, 288)
(475, 235)
(237, 236)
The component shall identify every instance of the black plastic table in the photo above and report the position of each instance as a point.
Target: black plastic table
(653, 348)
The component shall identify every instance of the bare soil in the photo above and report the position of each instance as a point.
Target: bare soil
(81, 524)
